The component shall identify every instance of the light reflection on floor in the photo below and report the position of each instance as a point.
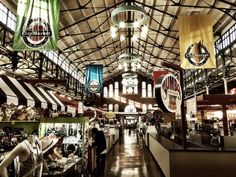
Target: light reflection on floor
(129, 158)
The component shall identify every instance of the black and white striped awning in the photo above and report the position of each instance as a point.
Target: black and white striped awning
(17, 92)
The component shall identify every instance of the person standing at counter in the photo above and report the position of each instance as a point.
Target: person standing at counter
(100, 144)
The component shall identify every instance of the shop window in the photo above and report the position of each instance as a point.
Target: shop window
(136, 90)
(3, 14)
(144, 108)
(149, 94)
(144, 92)
(104, 107)
(124, 90)
(116, 89)
(105, 92)
(149, 107)
(110, 90)
(110, 107)
(11, 21)
(116, 108)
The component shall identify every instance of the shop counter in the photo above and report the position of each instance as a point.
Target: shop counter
(175, 161)
(69, 168)
(111, 139)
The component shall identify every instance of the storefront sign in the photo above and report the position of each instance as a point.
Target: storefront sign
(37, 25)
(196, 42)
(110, 115)
(148, 115)
(168, 93)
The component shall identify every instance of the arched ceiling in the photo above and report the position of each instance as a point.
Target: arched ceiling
(85, 36)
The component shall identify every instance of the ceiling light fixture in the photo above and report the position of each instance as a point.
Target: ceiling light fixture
(129, 61)
(118, 22)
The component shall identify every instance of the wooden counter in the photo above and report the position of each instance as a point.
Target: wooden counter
(176, 161)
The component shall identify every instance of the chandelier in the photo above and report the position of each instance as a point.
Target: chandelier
(140, 21)
(129, 61)
(130, 79)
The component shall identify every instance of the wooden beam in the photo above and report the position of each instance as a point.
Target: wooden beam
(53, 81)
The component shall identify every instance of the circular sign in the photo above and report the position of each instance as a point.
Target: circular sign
(168, 93)
(36, 33)
(197, 54)
(110, 115)
(94, 86)
(148, 115)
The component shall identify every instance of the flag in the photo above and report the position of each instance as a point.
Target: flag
(94, 79)
(196, 42)
(37, 25)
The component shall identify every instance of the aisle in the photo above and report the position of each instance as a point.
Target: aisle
(130, 158)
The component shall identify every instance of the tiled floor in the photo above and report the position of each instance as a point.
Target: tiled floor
(130, 158)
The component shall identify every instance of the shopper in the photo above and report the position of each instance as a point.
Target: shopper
(100, 143)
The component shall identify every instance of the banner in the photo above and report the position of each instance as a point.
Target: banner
(37, 25)
(94, 79)
(196, 42)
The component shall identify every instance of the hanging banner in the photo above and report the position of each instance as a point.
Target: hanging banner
(37, 25)
(196, 42)
(94, 79)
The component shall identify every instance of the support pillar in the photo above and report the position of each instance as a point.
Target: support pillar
(225, 86)
(225, 121)
(207, 90)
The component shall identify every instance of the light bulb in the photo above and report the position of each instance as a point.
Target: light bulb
(134, 38)
(113, 29)
(122, 24)
(122, 37)
(136, 24)
(138, 65)
(145, 29)
(113, 35)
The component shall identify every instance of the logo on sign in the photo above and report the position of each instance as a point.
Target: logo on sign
(169, 93)
(94, 86)
(36, 33)
(197, 54)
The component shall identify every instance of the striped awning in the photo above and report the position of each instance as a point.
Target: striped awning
(17, 92)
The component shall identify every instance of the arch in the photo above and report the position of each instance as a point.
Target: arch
(110, 107)
(144, 91)
(130, 108)
(149, 90)
(144, 108)
(116, 108)
(105, 93)
(110, 90)
(116, 89)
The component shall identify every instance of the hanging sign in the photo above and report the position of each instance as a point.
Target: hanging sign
(168, 93)
(156, 75)
(110, 115)
(94, 78)
(196, 42)
(37, 25)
